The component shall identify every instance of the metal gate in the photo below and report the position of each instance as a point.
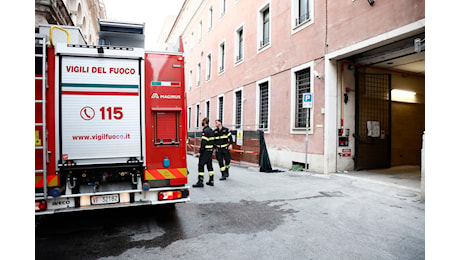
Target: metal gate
(373, 121)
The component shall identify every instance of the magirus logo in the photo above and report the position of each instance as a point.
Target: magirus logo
(156, 96)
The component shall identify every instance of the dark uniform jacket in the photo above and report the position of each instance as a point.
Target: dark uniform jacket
(223, 137)
(207, 139)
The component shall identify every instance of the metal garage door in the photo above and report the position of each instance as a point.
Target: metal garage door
(373, 122)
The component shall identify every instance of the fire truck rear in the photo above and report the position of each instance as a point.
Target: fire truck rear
(110, 121)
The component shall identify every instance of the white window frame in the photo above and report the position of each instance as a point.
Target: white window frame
(189, 117)
(198, 75)
(223, 8)
(207, 107)
(265, 80)
(223, 107)
(295, 15)
(200, 30)
(242, 107)
(210, 17)
(191, 42)
(208, 66)
(197, 115)
(190, 81)
(237, 45)
(293, 129)
(260, 27)
(221, 58)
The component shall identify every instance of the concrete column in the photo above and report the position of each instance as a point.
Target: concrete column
(330, 116)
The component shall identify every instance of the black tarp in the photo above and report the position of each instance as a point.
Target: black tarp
(264, 159)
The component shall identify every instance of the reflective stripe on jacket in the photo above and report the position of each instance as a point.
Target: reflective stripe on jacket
(223, 137)
(207, 139)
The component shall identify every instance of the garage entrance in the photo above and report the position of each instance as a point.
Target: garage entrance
(389, 104)
(373, 121)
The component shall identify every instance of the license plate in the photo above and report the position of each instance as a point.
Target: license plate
(106, 199)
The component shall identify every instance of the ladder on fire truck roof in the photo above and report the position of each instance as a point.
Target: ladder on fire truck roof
(40, 53)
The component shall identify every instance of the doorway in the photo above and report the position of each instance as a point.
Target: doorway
(389, 105)
(373, 121)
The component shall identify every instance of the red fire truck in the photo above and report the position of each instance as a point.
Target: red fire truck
(110, 121)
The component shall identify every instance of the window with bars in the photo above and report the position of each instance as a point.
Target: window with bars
(238, 108)
(221, 108)
(263, 105)
(302, 87)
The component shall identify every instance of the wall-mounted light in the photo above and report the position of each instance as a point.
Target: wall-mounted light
(403, 96)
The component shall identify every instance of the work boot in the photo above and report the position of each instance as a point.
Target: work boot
(211, 181)
(199, 184)
(223, 178)
(226, 173)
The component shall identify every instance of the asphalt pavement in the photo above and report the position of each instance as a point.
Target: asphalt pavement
(254, 215)
(292, 215)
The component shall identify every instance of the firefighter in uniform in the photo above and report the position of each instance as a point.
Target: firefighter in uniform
(205, 155)
(223, 141)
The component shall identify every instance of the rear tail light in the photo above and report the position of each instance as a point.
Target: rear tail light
(40, 205)
(172, 195)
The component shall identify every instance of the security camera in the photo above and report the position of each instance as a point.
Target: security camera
(317, 74)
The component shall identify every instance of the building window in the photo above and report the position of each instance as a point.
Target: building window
(220, 107)
(210, 11)
(264, 26)
(191, 42)
(200, 31)
(197, 115)
(302, 14)
(238, 108)
(221, 57)
(190, 80)
(239, 45)
(263, 112)
(189, 117)
(198, 74)
(208, 107)
(223, 7)
(302, 86)
(208, 66)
